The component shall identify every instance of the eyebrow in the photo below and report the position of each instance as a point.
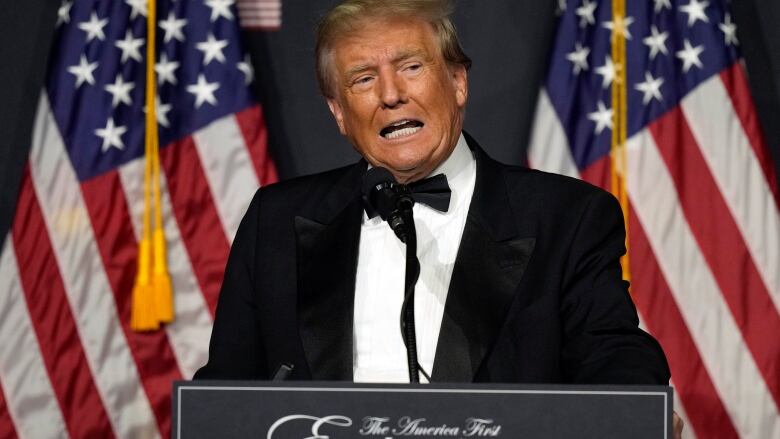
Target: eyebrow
(406, 54)
(401, 56)
(357, 69)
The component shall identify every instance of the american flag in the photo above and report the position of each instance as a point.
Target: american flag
(70, 366)
(260, 14)
(704, 223)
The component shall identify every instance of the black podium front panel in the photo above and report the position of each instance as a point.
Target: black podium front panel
(233, 409)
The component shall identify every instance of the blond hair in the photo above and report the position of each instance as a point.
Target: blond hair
(349, 15)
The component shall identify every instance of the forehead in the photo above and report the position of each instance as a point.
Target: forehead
(381, 40)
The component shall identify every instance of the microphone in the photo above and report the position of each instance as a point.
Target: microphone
(392, 201)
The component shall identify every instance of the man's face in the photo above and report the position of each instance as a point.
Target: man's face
(396, 98)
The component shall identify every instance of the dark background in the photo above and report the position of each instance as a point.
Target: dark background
(508, 41)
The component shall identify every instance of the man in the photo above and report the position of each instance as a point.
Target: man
(520, 280)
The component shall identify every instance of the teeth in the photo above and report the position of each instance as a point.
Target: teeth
(400, 122)
(402, 133)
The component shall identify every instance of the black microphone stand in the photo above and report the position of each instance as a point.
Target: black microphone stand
(408, 331)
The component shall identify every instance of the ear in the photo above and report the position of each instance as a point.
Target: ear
(460, 80)
(338, 114)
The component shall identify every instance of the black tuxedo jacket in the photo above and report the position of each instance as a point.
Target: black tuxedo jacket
(536, 294)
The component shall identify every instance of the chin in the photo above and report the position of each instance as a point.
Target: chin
(407, 164)
(409, 173)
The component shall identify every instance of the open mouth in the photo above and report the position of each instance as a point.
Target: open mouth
(401, 128)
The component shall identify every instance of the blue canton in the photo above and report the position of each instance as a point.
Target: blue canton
(96, 83)
(672, 46)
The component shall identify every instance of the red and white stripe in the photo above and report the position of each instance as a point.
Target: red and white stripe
(704, 240)
(739, 173)
(193, 319)
(69, 364)
(260, 14)
(548, 150)
(29, 396)
(221, 146)
(85, 283)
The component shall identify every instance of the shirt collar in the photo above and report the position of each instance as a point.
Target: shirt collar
(460, 170)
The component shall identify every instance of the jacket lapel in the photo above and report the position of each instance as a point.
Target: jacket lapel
(490, 263)
(327, 246)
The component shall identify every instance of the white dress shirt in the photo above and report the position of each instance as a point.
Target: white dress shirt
(379, 354)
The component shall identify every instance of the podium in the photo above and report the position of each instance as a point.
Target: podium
(322, 410)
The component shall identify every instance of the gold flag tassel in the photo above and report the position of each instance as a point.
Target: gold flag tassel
(153, 293)
(161, 280)
(618, 162)
(143, 316)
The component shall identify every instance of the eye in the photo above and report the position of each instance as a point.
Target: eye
(412, 69)
(362, 82)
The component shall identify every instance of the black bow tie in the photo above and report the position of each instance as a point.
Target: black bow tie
(432, 191)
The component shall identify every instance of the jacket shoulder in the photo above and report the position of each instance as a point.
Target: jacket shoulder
(306, 183)
(549, 187)
(302, 194)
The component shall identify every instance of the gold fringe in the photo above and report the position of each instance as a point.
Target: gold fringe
(143, 316)
(152, 295)
(161, 281)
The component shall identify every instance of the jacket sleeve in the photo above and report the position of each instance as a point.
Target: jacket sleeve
(602, 341)
(236, 350)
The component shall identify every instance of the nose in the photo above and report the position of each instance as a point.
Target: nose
(392, 89)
